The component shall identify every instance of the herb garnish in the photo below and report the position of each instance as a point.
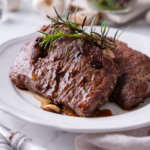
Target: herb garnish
(77, 32)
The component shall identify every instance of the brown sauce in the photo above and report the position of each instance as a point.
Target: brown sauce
(22, 89)
(98, 113)
(68, 112)
(103, 113)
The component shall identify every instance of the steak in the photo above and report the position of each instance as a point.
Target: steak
(134, 84)
(82, 80)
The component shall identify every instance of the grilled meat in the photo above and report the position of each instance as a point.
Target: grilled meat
(134, 84)
(83, 80)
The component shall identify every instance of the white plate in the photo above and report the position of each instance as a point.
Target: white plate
(25, 106)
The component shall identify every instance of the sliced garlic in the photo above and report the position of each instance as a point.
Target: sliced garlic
(109, 52)
(43, 100)
(45, 7)
(51, 107)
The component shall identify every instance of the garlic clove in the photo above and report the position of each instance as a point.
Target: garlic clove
(45, 7)
(43, 100)
(51, 107)
(109, 52)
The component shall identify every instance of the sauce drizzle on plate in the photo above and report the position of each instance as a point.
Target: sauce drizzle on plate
(68, 112)
(103, 113)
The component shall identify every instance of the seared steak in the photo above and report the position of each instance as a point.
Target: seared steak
(134, 84)
(83, 80)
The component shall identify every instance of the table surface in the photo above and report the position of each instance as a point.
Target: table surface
(23, 23)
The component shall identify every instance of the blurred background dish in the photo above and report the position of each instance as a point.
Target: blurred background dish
(13, 5)
(139, 7)
(27, 16)
(112, 6)
(115, 12)
(45, 7)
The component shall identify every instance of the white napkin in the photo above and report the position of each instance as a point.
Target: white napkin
(138, 139)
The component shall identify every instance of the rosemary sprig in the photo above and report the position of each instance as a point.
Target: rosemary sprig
(77, 32)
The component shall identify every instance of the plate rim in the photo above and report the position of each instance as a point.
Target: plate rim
(71, 129)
